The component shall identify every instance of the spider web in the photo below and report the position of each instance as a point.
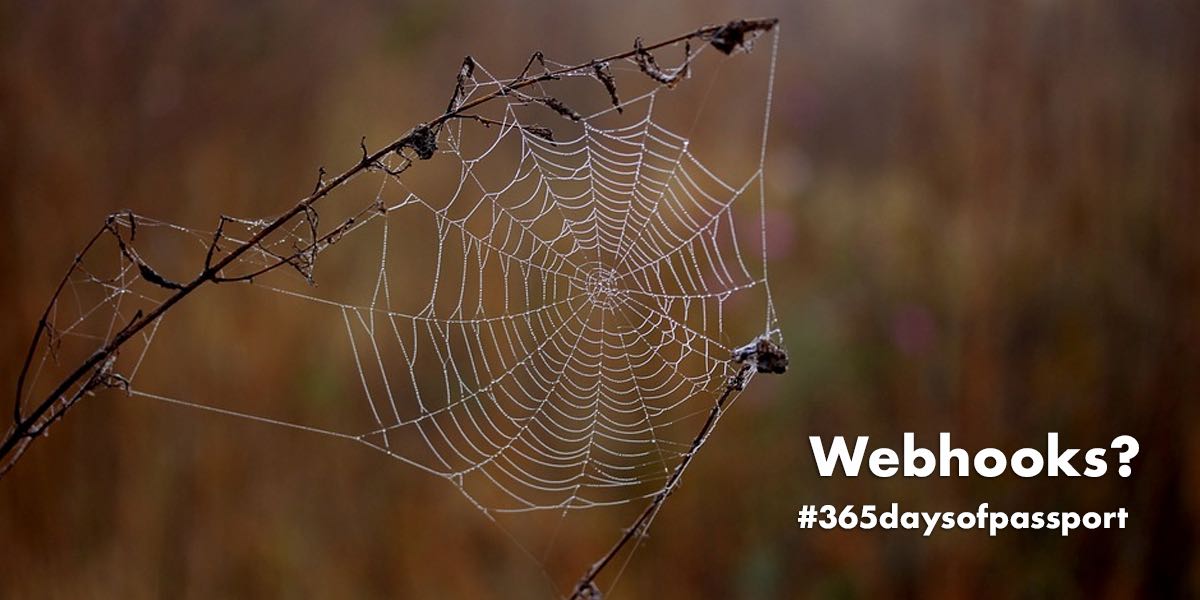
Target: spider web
(554, 305)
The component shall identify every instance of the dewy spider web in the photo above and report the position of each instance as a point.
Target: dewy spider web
(574, 326)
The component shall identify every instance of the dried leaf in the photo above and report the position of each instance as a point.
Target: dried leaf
(557, 106)
(602, 73)
(423, 141)
(543, 132)
(732, 35)
(649, 66)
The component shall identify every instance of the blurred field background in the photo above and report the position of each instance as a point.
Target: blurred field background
(983, 219)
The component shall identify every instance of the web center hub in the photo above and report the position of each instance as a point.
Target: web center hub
(603, 288)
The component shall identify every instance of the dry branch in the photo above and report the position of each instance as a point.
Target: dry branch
(760, 356)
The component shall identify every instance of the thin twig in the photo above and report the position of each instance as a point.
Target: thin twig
(760, 356)
(44, 325)
(587, 585)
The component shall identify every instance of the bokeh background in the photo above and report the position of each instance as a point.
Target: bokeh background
(986, 221)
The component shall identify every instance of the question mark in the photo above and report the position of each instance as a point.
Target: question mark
(1130, 449)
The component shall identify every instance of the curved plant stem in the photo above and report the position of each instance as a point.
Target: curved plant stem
(586, 588)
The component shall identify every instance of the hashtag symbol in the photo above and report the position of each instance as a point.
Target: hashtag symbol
(808, 516)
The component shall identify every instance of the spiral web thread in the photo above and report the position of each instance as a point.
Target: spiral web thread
(575, 324)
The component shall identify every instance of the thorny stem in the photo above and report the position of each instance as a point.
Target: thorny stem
(93, 371)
